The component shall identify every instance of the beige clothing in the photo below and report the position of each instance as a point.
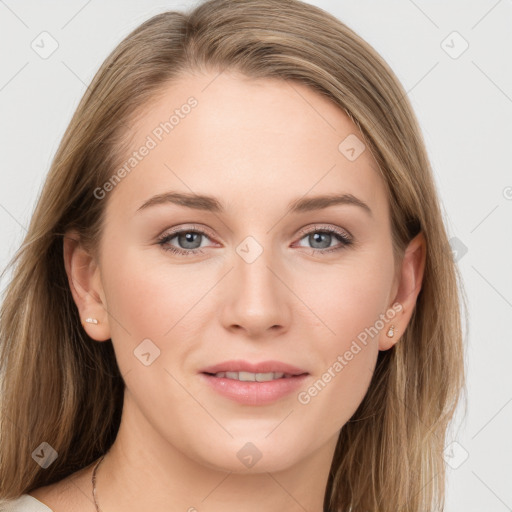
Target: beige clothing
(25, 503)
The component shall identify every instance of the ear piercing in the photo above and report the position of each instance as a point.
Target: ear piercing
(91, 320)
(391, 331)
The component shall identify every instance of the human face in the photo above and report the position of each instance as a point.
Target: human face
(260, 286)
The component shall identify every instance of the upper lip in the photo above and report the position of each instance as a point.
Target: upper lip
(261, 367)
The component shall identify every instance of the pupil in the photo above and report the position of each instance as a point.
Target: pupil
(317, 239)
(189, 239)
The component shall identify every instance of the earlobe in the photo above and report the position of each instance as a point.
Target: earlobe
(392, 330)
(390, 334)
(409, 287)
(85, 285)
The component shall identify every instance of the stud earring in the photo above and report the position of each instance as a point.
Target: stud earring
(91, 320)
(391, 331)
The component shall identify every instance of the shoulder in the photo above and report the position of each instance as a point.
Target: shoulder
(70, 494)
(25, 503)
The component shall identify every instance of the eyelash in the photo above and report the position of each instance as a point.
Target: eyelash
(345, 240)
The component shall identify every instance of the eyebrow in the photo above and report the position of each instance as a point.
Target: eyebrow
(212, 204)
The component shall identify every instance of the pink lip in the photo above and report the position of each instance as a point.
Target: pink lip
(254, 393)
(261, 367)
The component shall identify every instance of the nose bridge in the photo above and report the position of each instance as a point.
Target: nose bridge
(257, 300)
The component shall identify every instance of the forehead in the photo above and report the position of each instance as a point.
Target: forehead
(248, 140)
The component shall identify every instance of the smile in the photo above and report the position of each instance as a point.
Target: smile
(252, 377)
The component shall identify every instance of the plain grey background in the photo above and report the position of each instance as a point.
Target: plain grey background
(454, 60)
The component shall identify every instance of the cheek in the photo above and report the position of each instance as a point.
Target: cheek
(348, 297)
(147, 296)
(148, 301)
(348, 303)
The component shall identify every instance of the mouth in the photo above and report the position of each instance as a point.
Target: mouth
(253, 377)
(254, 384)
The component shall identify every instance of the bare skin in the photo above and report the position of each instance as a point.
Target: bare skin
(256, 146)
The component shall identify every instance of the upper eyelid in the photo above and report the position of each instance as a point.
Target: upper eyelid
(187, 229)
(316, 227)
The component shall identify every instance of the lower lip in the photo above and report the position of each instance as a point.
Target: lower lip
(254, 393)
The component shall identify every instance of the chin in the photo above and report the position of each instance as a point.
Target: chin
(249, 457)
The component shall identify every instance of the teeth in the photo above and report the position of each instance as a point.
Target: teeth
(252, 377)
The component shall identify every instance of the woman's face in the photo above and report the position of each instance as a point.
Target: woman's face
(250, 278)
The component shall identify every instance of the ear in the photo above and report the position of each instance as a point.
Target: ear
(85, 283)
(407, 287)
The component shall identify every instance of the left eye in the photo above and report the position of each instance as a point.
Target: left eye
(321, 239)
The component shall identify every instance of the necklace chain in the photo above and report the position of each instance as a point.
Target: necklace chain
(93, 479)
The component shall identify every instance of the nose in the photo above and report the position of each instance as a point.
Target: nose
(256, 298)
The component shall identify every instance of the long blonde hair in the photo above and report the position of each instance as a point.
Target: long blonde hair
(60, 387)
